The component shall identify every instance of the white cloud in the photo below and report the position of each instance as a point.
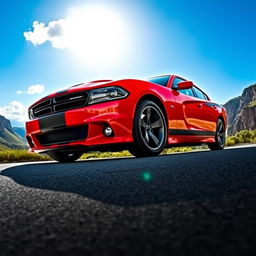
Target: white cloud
(15, 110)
(39, 35)
(36, 88)
(33, 89)
(53, 33)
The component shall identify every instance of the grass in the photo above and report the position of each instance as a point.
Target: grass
(15, 155)
(92, 155)
(246, 136)
(12, 156)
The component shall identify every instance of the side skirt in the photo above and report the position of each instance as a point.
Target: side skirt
(181, 132)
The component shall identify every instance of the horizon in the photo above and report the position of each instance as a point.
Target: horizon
(48, 46)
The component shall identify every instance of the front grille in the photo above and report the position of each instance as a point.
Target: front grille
(59, 104)
(63, 136)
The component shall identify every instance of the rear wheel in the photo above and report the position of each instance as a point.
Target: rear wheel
(149, 131)
(220, 136)
(64, 157)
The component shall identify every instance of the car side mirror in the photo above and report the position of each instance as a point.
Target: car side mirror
(185, 85)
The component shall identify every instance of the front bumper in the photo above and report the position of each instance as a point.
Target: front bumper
(52, 132)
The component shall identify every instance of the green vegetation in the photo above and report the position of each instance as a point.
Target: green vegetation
(12, 155)
(252, 104)
(180, 149)
(92, 155)
(126, 153)
(242, 137)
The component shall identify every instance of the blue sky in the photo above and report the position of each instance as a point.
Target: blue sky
(212, 43)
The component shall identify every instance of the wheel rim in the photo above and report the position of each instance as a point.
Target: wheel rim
(152, 128)
(221, 133)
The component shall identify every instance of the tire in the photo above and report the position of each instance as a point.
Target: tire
(64, 157)
(149, 130)
(220, 136)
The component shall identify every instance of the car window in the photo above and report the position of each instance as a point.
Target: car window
(188, 92)
(160, 80)
(176, 81)
(199, 94)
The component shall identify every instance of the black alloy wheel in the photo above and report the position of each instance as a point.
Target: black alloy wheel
(150, 130)
(220, 136)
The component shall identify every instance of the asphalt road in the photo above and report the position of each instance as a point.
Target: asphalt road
(201, 203)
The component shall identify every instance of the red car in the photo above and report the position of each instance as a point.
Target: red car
(141, 116)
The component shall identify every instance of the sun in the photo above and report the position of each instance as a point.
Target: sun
(96, 34)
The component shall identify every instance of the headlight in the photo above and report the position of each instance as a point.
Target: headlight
(106, 94)
(30, 114)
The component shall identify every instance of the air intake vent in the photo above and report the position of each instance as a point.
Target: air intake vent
(59, 104)
(63, 136)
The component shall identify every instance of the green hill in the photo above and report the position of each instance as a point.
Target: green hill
(8, 138)
(11, 140)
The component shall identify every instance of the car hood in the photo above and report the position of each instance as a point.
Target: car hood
(76, 88)
(90, 84)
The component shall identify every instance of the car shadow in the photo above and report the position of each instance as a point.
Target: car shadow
(144, 181)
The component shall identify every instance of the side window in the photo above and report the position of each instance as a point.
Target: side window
(188, 92)
(160, 80)
(176, 81)
(199, 94)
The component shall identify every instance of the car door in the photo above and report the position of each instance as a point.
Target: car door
(188, 110)
(209, 110)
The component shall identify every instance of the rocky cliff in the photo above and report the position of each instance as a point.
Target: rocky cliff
(242, 111)
(5, 123)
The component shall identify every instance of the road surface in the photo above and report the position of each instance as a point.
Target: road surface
(200, 203)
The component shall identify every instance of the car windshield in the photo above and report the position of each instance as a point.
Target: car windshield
(160, 80)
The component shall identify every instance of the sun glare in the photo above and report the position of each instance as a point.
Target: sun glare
(96, 35)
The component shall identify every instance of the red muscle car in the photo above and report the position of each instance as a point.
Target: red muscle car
(143, 116)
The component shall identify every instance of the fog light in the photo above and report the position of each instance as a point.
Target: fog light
(108, 131)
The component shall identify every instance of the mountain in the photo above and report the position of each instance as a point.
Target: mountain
(8, 138)
(20, 131)
(241, 111)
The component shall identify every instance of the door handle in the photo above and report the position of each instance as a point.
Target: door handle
(200, 105)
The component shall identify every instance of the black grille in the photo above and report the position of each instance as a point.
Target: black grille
(63, 136)
(59, 103)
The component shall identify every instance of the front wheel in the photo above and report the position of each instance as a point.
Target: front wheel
(64, 157)
(149, 131)
(220, 136)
